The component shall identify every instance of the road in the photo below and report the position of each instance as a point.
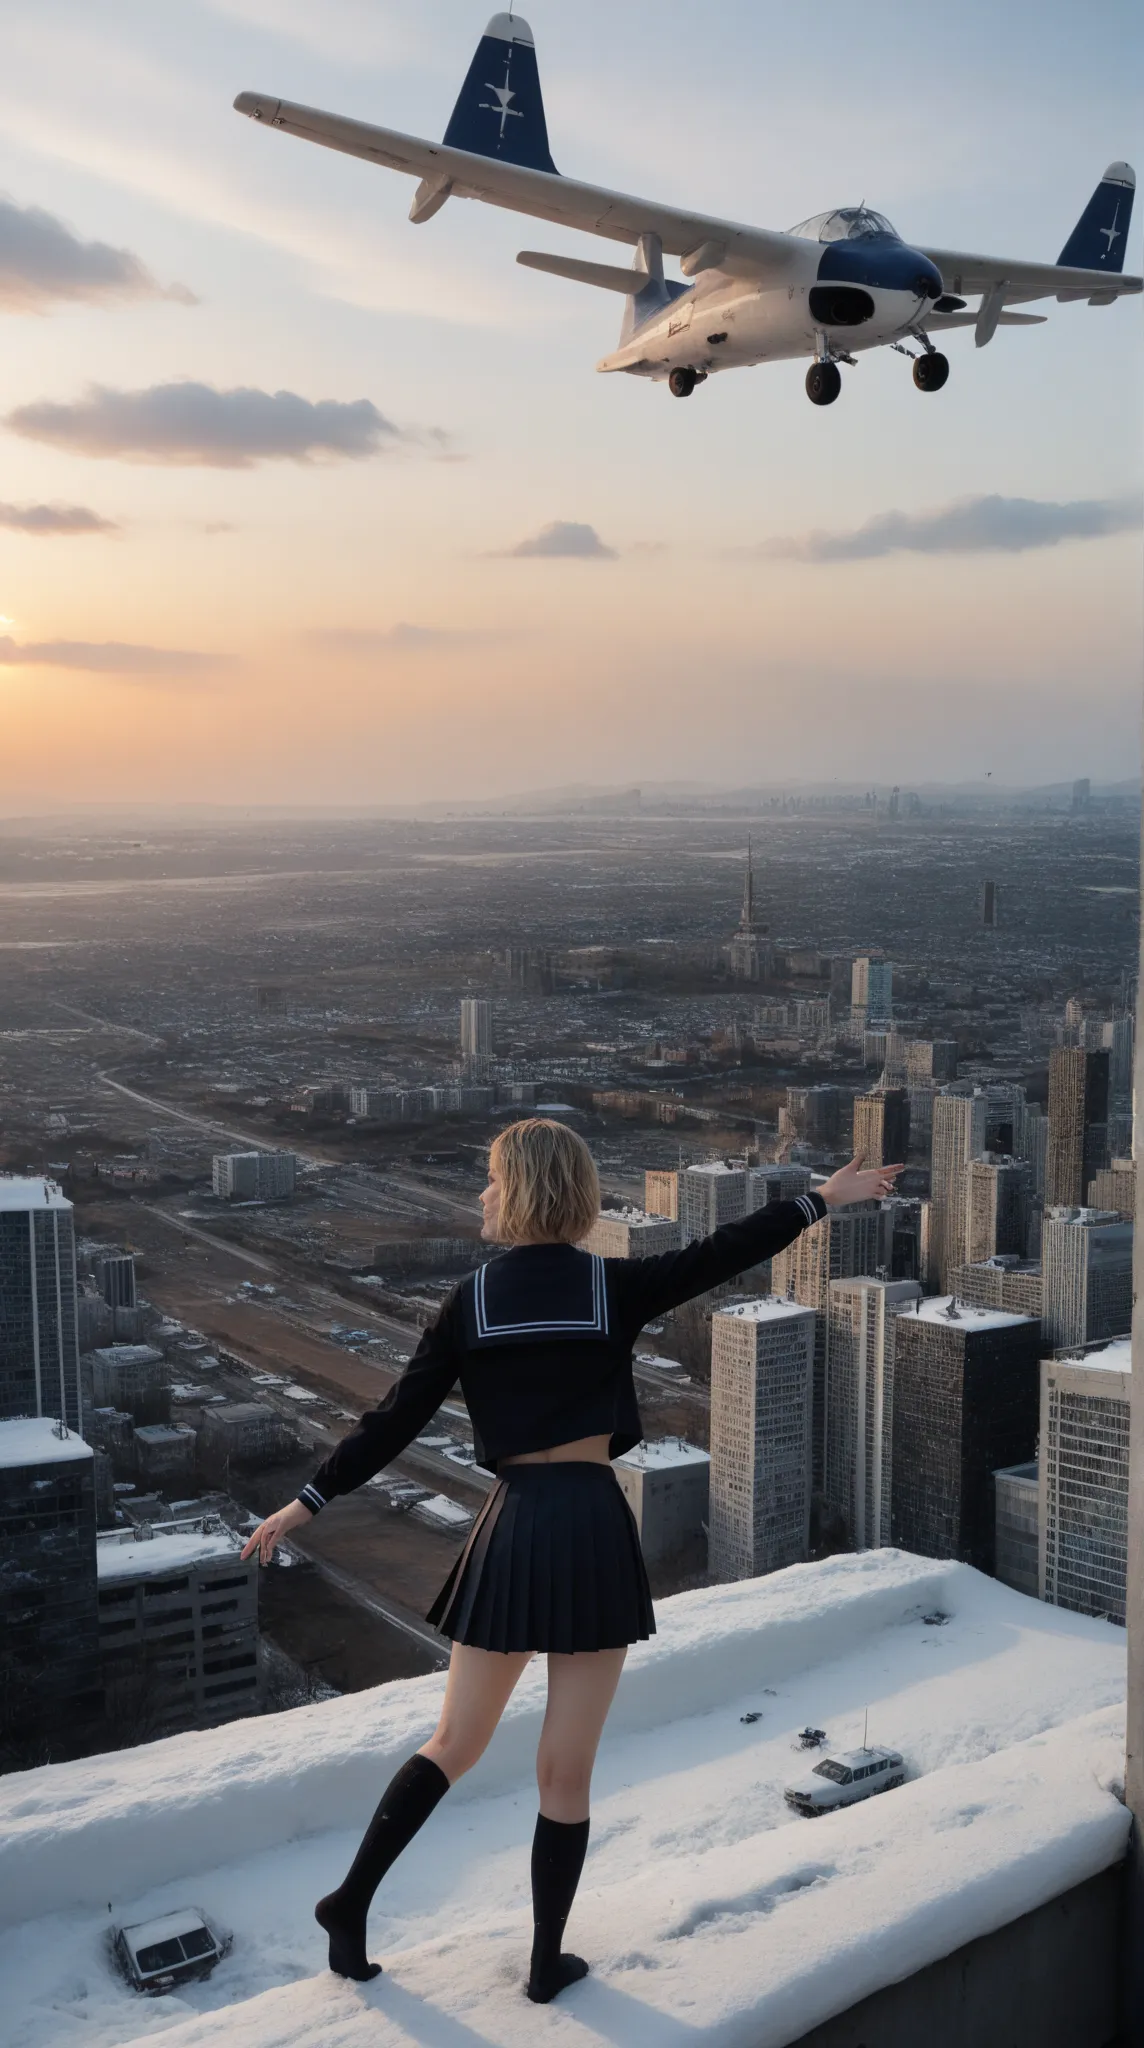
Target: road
(385, 1610)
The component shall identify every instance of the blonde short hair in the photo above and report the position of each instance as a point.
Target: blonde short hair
(549, 1185)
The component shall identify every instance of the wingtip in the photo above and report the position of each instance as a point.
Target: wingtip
(1120, 174)
(258, 106)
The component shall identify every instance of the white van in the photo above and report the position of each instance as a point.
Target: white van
(841, 1780)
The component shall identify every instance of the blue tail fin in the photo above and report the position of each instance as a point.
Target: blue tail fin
(1100, 236)
(500, 112)
(657, 293)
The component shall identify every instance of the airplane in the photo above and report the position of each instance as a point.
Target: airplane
(831, 288)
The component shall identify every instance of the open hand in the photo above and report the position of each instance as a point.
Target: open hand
(269, 1533)
(858, 1183)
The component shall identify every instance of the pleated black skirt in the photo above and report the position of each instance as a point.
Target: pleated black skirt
(553, 1562)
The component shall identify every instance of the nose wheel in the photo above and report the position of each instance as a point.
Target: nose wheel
(931, 371)
(823, 383)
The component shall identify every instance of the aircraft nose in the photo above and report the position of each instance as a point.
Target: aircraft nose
(928, 284)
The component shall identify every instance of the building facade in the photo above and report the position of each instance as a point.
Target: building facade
(1078, 1123)
(860, 1405)
(1017, 1535)
(1083, 1503)
(1000, 1282)
(1114, 1189)
(476, 1028)
(254, 1176)
(117, 1280)
(661, 1195)
(846, 1242)
(762, 1362)
(631, 1234)
(178, 1626)
(710, 1195)
(872, 993)
(1086, 1266)
(39, 1342)
(965, 1404)
(998, 1194)
(50, 1687)
(667, 1486)
(958, 1137)
(882, 1127)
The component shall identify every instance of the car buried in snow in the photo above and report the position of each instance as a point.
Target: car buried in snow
(843, 1779)
(156, 1956)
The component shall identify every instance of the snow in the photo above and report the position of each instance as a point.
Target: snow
(936, 1310)
(33, 1440)
(710, 1913)
(669, 1451)
(17, 1193)
(446, 1513)
(1116, 1357)
(774, 1308)
(116, 1558)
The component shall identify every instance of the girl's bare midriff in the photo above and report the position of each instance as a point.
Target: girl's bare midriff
(590, 1450)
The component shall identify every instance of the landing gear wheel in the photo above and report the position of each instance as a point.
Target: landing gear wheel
(681, 383)
(931, 371)
(823, 383)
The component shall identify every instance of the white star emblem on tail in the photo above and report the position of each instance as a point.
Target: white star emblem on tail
(504, 94)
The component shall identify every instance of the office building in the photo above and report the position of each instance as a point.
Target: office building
(750, 952)
(1081, 796)
(958, 1137)
(165, 1458)
(1083, 1504)
(476, 1028)
(882, 1127)
(710, 1195)
(1114, 1188)
(48, 1639)
(39, 1344)
(872, 993)
(930, 1061)
(762, 1362)
(813, 1116)
(243, 1433)
(997, 1208)
(965, 1404)
(846, 1242)
(254, 1176)
(132, 1377)
(1003, 1281)
(117, 1280)
(631, 1234)
(989, 904)
(1078, 1123)
(860, 1405)
(1117, 1038)
(667, 1486)
(1033, 1145)
(1017, 1529)
(661, 1195)
(767, 1185)
(1086, 1263)
(178, 1626)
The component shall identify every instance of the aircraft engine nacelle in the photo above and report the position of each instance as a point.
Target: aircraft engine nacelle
(840, 305)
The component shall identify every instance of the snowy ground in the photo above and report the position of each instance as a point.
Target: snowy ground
(710, 1915)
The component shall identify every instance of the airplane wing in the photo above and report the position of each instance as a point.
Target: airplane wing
(701, 240)
(940, 323)
(1019, 282)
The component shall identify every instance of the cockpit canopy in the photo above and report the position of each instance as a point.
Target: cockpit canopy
(846, 224)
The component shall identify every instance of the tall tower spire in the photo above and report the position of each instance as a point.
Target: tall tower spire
(747, 921)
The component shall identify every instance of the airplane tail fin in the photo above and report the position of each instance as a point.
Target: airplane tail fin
(500, 112)
(655, 294)
(1100, 236)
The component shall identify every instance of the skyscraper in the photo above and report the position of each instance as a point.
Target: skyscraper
(761, 1367)
(49, 1642)
(117, 1280)
(39, 1347)
(476, 1028)
(860, 1405)
(997, 1197)
(989, 902)
(1117, 1037)
(872, 993)
(965, 1405)
(751, 954)
(958, 1137)
(709, 1195)
(1086, 1261)
(1115, 1188)
(848, 1241)
(930, 1061)
(1083, 1480)
(1078, 1123)
(882, 1126)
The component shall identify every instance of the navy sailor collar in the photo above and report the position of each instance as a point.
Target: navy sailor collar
(550, 1292)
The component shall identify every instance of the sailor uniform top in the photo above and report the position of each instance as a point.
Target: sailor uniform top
(541, 1341)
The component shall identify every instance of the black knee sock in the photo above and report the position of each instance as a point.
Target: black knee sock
(558, 1852)
(405, 1806)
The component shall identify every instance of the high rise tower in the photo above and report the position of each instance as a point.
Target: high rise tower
(958, 1137)
(751, 953)
(1078, 1123)
(39, 1346)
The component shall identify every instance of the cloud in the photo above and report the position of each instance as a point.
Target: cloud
(195, 424)
(972, 526)
(45, 520)
(399, 639)
(564, 540)
(108, 657)
(42, 263)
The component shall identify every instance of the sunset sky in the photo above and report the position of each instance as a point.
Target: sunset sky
(452, 561)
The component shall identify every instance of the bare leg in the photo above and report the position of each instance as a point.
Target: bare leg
(477, 1691)
(580, 1691)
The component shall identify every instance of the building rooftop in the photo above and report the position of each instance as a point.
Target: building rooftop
(630, 1216)
(34, 1440)
(1115, 1357)
(715, 1166)
(773, 1308)
(18, 1193)
(936, 1310)
(120, 1555)
(708, 1913)
(164, 1433)
(668, 1451)
(128, 1354)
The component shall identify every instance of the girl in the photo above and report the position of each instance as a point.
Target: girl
(541, 1341)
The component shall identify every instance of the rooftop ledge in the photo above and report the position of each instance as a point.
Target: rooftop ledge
(708, 1912)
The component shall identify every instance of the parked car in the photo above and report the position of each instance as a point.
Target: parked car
(842, 1779)
(157, 1955)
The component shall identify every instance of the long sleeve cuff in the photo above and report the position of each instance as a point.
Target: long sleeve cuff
(312, 1499)
(813, 1207)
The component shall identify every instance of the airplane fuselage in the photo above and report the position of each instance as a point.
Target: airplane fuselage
(841, 298)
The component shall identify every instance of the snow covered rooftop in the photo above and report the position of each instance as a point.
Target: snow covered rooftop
(34, 1440)
(1115, 1357)
(936, 1310)
(715, 1166)
(17, 1193)
(117, 1558)
(771, 1308)
(667, 1452)
(710, 1913)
